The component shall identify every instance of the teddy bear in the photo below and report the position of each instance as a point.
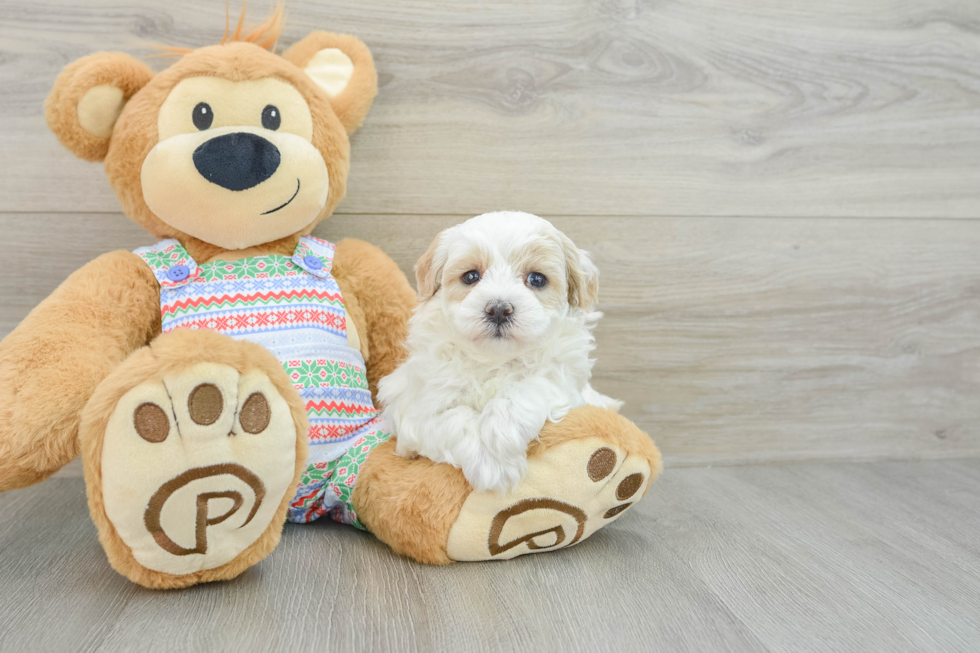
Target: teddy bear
(223, 380)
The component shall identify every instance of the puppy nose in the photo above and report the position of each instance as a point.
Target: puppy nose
(499, 312)
(237, 161)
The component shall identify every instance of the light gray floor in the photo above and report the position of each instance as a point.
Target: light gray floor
(811, 557)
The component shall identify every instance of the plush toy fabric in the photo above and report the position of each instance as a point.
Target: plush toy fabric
(222, 381)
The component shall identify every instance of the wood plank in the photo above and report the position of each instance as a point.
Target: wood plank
(330, 587)
(810, 557)
(800, 562)
(746, 340)
(682, 108)
(59, 592)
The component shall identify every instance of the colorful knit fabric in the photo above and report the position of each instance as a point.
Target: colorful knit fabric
(293, 307)
(335, 479)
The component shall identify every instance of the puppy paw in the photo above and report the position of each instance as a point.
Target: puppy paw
(485, 472)
(506, 427)
(495, 458)
(407, 454)
(493, 477)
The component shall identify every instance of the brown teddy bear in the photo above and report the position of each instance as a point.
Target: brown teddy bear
(222, 381)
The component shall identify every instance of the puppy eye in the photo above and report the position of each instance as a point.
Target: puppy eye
(271, 119)
(202, 116)
(536, 280)
(471, 277)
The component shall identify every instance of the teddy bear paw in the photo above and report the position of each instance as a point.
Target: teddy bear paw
(571, 490)
(195, 467)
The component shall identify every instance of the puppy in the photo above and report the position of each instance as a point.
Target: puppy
(499, 344)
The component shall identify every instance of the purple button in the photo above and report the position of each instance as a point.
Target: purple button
(312, 262)
(178, 273)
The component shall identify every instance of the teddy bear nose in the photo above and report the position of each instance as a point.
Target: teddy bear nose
(237, 161)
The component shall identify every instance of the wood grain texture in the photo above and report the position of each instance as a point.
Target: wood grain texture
(732, 339)
(752, 340)
(583, 107)
(813, 557)
(808, 556)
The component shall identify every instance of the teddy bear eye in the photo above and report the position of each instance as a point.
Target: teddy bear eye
(271, 118)
(536, 280)
(471, 277)
(203, 116)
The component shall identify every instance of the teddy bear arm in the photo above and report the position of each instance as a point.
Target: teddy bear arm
(52, 362)
(380, 301)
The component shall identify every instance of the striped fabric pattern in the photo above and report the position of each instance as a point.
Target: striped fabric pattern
(294, 308)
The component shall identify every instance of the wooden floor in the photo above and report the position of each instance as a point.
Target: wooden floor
(810, 557)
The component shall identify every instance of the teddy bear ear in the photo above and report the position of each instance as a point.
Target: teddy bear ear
(342, 66)
(88, 97)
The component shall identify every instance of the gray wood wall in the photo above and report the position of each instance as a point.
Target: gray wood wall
(783, 195)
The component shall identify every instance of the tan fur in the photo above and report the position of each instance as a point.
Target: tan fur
(385, 298)
(427, 273)
(351, 105)
(64, 365)
(99, 108)
(455, 290)
(541, 255)
(136, 131)
(100, 316)
(411, 505)
(170, 353)
(583, 285)
(266, 34)
(61, 108)
(476, 257)
(284, 247)
(52, 362)
(176, 192)
(592, 421)
(450, 277)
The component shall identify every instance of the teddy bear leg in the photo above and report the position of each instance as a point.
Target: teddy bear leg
(584, 473)
(192, 450)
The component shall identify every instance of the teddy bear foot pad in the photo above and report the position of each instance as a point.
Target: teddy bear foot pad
(194, 468)
(570, 492)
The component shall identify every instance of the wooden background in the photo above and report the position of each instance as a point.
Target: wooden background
(783, 195)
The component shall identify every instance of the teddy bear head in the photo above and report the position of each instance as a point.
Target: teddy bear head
(230, 147)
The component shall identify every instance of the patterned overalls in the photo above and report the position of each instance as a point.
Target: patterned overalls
(292, 307)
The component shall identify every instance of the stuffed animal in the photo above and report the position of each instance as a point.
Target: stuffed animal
(222, 381)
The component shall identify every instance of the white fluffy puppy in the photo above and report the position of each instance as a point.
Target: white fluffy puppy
(499, 344)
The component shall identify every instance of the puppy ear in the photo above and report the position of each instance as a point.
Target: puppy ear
(583, 275)
(428, 270)
(342, 66)
(88, 97)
